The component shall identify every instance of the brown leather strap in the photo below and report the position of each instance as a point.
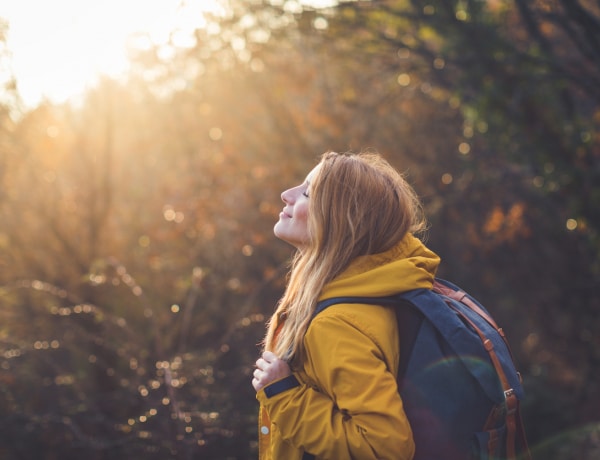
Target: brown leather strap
(461, 297)
(493, 443)
(524, 445)
(510, 399)
(513, 415)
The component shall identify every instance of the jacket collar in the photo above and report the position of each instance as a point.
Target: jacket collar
(406, 266)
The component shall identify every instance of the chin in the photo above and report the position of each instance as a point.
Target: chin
(289, 241)
(284, 239)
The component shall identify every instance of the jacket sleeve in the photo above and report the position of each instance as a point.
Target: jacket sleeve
(354, 411)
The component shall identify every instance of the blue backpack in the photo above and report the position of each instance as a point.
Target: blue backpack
(457, 379)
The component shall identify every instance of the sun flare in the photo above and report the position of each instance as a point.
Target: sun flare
(59, 48)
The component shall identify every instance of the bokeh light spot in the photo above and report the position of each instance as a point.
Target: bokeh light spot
(403, 79)
(464, 148)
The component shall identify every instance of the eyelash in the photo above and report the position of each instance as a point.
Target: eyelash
(305, 194)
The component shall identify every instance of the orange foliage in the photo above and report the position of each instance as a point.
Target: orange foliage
(507, 226)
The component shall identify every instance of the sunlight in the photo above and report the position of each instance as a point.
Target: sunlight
(60, 48)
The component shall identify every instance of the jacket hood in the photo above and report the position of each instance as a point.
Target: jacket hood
(408, 265)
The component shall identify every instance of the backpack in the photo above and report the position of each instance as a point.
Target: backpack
(458, 383)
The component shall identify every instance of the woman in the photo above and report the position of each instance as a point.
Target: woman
(327, 386)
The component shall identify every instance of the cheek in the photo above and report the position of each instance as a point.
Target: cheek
(301, 214)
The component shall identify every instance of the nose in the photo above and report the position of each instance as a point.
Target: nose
(288, 196)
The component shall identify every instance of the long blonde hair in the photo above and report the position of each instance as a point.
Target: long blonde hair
(359, 205)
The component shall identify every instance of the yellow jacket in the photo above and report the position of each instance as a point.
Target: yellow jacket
(343, 403)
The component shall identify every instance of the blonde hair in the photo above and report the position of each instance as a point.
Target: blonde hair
(359, 205)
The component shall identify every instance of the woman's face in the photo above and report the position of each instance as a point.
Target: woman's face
(292, 226)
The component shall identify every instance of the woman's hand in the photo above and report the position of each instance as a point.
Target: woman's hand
(268, 369)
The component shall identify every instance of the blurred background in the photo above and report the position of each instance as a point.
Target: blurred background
(143, 149)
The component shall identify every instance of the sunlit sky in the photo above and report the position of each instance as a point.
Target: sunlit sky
(59, 47)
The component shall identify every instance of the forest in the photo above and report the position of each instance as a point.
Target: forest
(137, 260)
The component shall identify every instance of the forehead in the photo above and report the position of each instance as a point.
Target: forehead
(311, 175)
